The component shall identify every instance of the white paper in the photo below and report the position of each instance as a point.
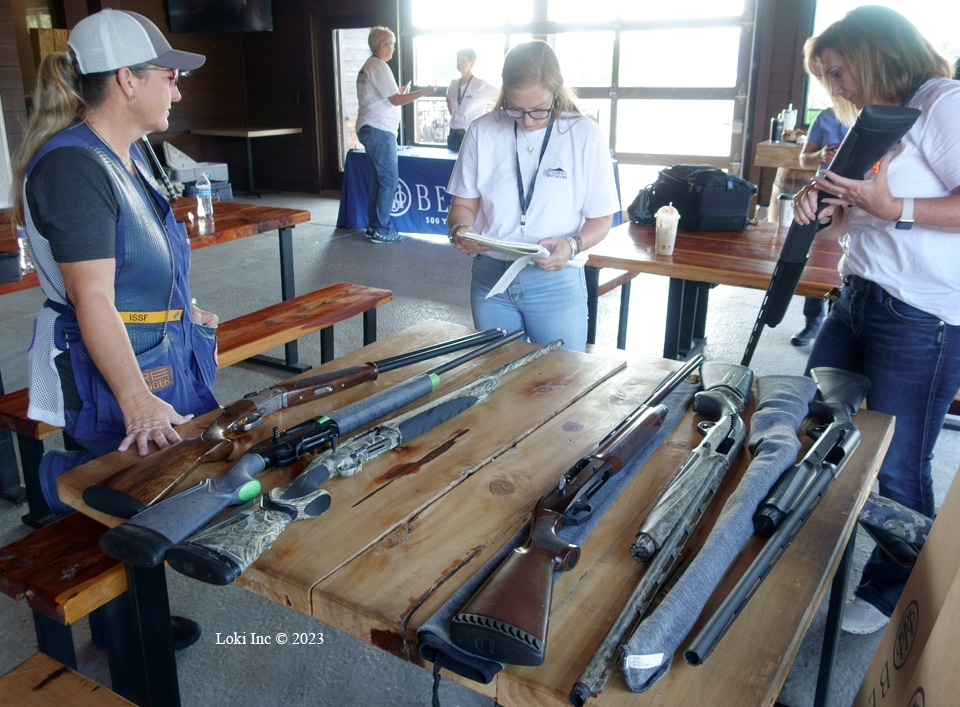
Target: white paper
(644, 662)
(521, 253)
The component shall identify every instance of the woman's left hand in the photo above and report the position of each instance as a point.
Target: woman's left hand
(560, 254)
(871, 195)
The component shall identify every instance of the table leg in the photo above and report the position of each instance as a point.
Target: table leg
(686, 318)
(253, 191)
(150, 624)
(592, 277)
(624, 315)
(288, 290)
(831, 634)
(10, 488)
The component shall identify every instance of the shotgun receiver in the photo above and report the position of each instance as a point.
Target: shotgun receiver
(506, 619)
(129, 490)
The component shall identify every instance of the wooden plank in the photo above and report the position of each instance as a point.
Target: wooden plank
(13, 416)
(61, 570)
(251, 334)
(41, 681)
(421, 563)
(398, 486)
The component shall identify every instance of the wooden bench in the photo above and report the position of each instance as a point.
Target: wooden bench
(63, 575)
(40, 681)
(239, 339)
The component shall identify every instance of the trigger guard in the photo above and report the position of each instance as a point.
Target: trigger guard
(254, 419)
(577, 514)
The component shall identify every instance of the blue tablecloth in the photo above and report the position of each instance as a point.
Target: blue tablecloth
(422, 202)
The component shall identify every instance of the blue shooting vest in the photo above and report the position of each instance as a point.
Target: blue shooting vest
(177, 356)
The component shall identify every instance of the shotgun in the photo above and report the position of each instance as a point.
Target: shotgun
(144, 539)
(506, 619)
(129, 490)
(876, 131)
(842, 393)
(219, 553)
(677, 511)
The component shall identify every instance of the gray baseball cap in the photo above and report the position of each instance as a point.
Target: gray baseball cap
(112, 39)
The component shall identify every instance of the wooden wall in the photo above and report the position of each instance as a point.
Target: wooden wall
(283, 79)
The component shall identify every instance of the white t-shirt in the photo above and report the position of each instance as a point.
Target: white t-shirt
(472, 104)
(375, 85)
(921, 266)
(574, 181)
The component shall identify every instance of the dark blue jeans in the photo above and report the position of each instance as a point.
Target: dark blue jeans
(381, 148)
(913, 361)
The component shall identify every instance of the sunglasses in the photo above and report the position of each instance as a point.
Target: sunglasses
(175, 73)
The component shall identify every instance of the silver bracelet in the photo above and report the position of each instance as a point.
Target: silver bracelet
(576, 244)
(452, 233)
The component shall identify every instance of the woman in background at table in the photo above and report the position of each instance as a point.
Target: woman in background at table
(378, 120)
(824, 137)
(467, 98)
(120, 355)
(897, 319)
(534, 170)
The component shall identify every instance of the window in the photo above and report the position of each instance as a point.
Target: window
(613, 52)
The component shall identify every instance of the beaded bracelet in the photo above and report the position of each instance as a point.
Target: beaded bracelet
(452, 233)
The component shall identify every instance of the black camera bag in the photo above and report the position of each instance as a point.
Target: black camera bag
(707, 198)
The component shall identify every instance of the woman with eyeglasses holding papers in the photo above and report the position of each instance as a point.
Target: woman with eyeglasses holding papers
(120, 355)
(536, 171)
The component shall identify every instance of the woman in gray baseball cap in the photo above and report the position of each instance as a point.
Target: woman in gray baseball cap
(120, 356)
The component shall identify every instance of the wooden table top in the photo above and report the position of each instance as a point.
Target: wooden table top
(412, 527)
(740, 258)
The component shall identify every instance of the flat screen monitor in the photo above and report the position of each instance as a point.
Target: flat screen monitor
(219, 16)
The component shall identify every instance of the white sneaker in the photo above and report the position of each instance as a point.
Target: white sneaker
(862, 618)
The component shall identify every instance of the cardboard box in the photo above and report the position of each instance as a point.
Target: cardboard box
(914, 652)
(216, 170)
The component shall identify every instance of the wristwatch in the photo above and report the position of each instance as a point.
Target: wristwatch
(455, 230)
(905, 222)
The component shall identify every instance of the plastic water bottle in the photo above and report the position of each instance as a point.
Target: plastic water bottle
(204, 197)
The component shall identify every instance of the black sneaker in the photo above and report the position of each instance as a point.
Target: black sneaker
(370, 231)
(808, 334)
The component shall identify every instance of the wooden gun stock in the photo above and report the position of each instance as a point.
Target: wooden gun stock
(506, 619)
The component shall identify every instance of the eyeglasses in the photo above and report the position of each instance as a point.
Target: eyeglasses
(175, 73)
(535, 114)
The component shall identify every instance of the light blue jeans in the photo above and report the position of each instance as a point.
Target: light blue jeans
(913, 362)
(547, 305)
(384, 176)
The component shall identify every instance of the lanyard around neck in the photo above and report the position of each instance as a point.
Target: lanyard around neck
(525, 199)
(461, 94)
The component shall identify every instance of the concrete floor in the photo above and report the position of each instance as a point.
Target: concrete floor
(429, 280)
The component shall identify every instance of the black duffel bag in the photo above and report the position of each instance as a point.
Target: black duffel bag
(707, 198)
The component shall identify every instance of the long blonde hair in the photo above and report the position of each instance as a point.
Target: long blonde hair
(60, 96)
